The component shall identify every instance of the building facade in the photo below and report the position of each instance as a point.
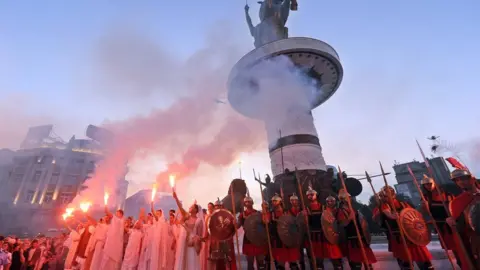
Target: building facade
(44, 176)
(407, 187)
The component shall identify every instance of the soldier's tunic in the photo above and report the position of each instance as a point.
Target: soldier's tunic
(222, 254)
(470, 239)
(352, 249)
(437, 209)
(395, 242)
(280, 252)
(322, 248)
(249, 249)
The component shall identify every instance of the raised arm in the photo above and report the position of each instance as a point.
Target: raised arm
(179, 205)
(153, 212)
(249, 21)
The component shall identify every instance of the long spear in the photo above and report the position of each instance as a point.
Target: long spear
(458, 239)
(266, 225)
(310, 243)
(235, 224)
(440, 237)
(392, 206)
(359, 236)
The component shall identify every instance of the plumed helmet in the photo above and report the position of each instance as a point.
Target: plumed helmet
(343, 194)
(387, 189)
(276, 198)
(311, 191)
(218, 202)
(457, 173)
(293, 197)
(248, 199)
(330, 199)
(426, 180)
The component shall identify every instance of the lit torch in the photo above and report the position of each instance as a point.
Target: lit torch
(154, 191)
(84, 206)
(69, 211)
(172, 181)
(65, 216)
(105, 198)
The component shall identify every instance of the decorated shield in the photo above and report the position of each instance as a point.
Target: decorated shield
(289, 231)
(414, 226)
(473, 216)
(364, 227)
(221, 225)
(330, 227)
(255, 230)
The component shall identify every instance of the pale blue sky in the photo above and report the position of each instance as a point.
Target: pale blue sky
(411, 67)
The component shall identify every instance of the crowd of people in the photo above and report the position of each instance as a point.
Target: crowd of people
(40, 253)
(185, 240)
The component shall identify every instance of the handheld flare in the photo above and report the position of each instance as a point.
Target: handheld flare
(85, 206)
(154, 191)
(105, 198)
(171, 178)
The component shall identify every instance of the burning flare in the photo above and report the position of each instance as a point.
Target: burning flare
(154, 191)
(105, 198)
(84, 206)
(68, 213)
(171, 177)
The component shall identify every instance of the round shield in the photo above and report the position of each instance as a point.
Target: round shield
(364, 227)
(330, 227)
(221, 225)
(289, 231)
(255, 230)
(473, 217)
(414, 226)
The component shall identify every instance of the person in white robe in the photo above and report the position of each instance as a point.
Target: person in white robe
(189, 243)
(75, 238)
(98, 242)
(145, 253)
(158, 249)
(132, 251)
(171, 240)
(113, 249)
(206, 244)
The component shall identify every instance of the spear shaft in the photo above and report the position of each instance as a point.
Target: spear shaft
(400, 227)
(440, 237)
(458, 239)
(359, 236)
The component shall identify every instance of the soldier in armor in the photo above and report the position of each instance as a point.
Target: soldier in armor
(281, 253)
(322, 247)
(388, 219)
(294, 211)
(251, 251)
(222, 253)
(352, 249)
(436, 207)
(462, 209)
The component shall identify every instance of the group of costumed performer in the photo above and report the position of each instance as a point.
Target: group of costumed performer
(323, 248)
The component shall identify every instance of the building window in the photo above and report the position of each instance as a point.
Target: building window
(17, 178)
(36, 176)
(29, 197)
(54, 179)
(65, 198)
(48, 197)
(71, 180)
